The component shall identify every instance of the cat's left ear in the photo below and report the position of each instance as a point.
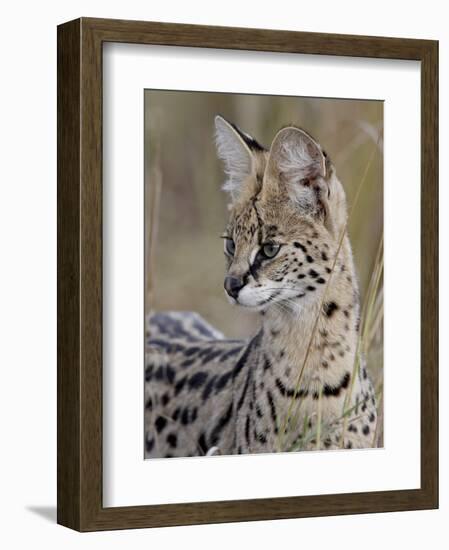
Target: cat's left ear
(297, 167)
(295, 156)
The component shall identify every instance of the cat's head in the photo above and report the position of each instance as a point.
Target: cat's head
(287, 212)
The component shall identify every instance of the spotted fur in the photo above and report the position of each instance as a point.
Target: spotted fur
(205, 394)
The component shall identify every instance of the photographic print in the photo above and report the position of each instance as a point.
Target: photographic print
(263, 274)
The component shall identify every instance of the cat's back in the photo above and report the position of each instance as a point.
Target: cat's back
(188, 385)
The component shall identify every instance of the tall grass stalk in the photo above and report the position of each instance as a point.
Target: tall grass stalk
(153, 200)
(319, 419)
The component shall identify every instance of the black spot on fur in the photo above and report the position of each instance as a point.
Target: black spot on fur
(221, 424)
(180, 385)
(330, 308)
(230, 353)
(365, 429)
(197, 380)
(160, 424)
(185, 416)
(211, 355)
(189, 415)
(191, 351)
(300, 246)
(172, 440)
(208, 388)
(244, 358)
(321, 281)
(247, 430)
(223, 380)
(149, 445)
(245, 389)
(267, 364)
(334, 391)
(159, 373)
(165, 399)
(170, 374)
(289, 392)
(313, 273)
(309, 259)
(272, 410)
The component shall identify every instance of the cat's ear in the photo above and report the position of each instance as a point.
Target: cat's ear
(296, 156)
(236, 149)
(297, 166)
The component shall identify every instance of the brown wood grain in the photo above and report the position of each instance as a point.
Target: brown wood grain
(80, 273)
(68, 171)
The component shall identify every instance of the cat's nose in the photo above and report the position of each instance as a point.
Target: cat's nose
(233, 285)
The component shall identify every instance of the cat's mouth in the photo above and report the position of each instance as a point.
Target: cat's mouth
(251, 300)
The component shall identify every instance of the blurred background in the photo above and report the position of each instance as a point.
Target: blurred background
(186, 211)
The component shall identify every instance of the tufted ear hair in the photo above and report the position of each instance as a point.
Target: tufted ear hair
(297, 166)
(236, 149)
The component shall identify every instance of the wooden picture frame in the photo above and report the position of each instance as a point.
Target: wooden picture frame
(80, 504)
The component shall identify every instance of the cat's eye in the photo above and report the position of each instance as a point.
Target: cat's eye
(229, 246)
(269, 250)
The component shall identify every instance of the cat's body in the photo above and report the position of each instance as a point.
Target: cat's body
(293, 386)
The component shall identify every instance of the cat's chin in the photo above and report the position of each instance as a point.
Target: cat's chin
(254, 304)
(248, 305)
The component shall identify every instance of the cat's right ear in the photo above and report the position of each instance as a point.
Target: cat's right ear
(235, 148)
